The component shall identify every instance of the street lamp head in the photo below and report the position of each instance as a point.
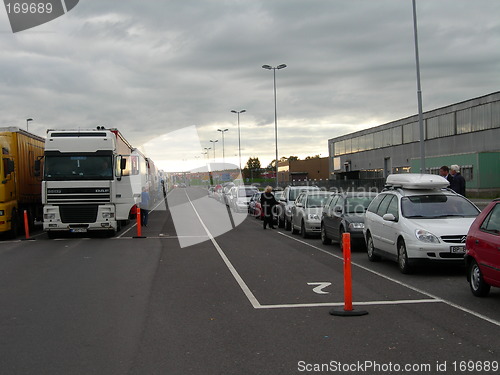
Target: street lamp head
(233, 111)
(269, 67)
(222, 130)
(29, 119)
(243, 110)
(281, 66)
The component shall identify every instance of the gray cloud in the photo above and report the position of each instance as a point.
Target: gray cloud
(152, 67)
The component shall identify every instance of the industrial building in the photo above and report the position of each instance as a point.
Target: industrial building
(465, 133)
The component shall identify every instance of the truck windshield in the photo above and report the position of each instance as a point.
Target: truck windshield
(78, 167)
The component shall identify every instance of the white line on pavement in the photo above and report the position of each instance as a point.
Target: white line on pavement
(239, 280)
(438, 299)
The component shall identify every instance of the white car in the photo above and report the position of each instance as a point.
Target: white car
(240, 197)
(417, 219)
(306, 212)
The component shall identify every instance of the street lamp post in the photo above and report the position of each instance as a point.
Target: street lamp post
(239, 137)
(213, 144)
(223, 155)
(27, 122)
(419, 93)
(269, 67)
(206, 151)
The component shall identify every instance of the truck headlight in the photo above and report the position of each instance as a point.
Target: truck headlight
(108, 215)
(49, 216)
(424, 236)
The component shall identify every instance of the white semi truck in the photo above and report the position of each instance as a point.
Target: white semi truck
(92, 181)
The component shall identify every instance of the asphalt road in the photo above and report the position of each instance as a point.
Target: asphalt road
(197, 296)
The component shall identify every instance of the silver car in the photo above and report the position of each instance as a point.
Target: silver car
(306, 212)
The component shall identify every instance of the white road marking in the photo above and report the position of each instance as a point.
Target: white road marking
(438, 299)
(336, 304)
(246, 290)
(320, 286)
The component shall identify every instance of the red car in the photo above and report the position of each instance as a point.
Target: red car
(483, 250)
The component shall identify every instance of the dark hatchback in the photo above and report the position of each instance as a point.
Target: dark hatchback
(345, 213)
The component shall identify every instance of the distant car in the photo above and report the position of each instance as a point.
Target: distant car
(286, 202)
(345, 213)
(417, 220)
(483, 251)
(306, 212)
(240, 197)
(254, 199)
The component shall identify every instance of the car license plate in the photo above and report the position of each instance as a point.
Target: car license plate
(78, 230)
(457, 249)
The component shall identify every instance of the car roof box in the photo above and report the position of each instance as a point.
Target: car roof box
(417, 181)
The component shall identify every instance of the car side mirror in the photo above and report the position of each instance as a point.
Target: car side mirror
(299, 205)
(389, 217)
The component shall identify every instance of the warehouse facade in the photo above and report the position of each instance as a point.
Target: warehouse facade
(465, 133)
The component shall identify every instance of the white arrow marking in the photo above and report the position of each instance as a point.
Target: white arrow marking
(320, 287)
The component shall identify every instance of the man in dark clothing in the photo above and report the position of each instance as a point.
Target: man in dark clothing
(268, 201)
(458, 182)
(444, 171)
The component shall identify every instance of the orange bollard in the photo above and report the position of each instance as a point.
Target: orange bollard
(26, 225)
(348, 310)
(139, 227)
(346, 240)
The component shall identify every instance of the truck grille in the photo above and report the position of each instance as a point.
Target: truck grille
(78, 195)
(78, 213)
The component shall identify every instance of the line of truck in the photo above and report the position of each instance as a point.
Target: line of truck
(74, 180)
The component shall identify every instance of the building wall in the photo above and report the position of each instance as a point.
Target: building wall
(464, 133)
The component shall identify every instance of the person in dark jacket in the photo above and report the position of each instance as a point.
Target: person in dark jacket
(268, 201)
(458, 182)
(444, 171)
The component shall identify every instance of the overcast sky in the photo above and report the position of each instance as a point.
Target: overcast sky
(151, 68)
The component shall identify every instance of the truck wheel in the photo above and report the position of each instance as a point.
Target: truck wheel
(14, 225)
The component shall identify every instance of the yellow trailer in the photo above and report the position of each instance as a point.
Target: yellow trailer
(20, 187)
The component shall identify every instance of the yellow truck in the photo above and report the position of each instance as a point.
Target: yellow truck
(20, 187)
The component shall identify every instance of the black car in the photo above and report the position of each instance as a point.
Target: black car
(345, 213)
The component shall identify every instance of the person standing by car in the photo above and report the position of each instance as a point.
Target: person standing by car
(444, 171)
(267, 202)
(458, 182)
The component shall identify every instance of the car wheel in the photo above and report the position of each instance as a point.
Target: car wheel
(303, 232)
(324, 238)
(370, 249)
(281, 224)
(403, 263)
(477, 284)
(341, 239)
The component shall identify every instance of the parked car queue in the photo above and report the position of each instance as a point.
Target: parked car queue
(414, 221)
